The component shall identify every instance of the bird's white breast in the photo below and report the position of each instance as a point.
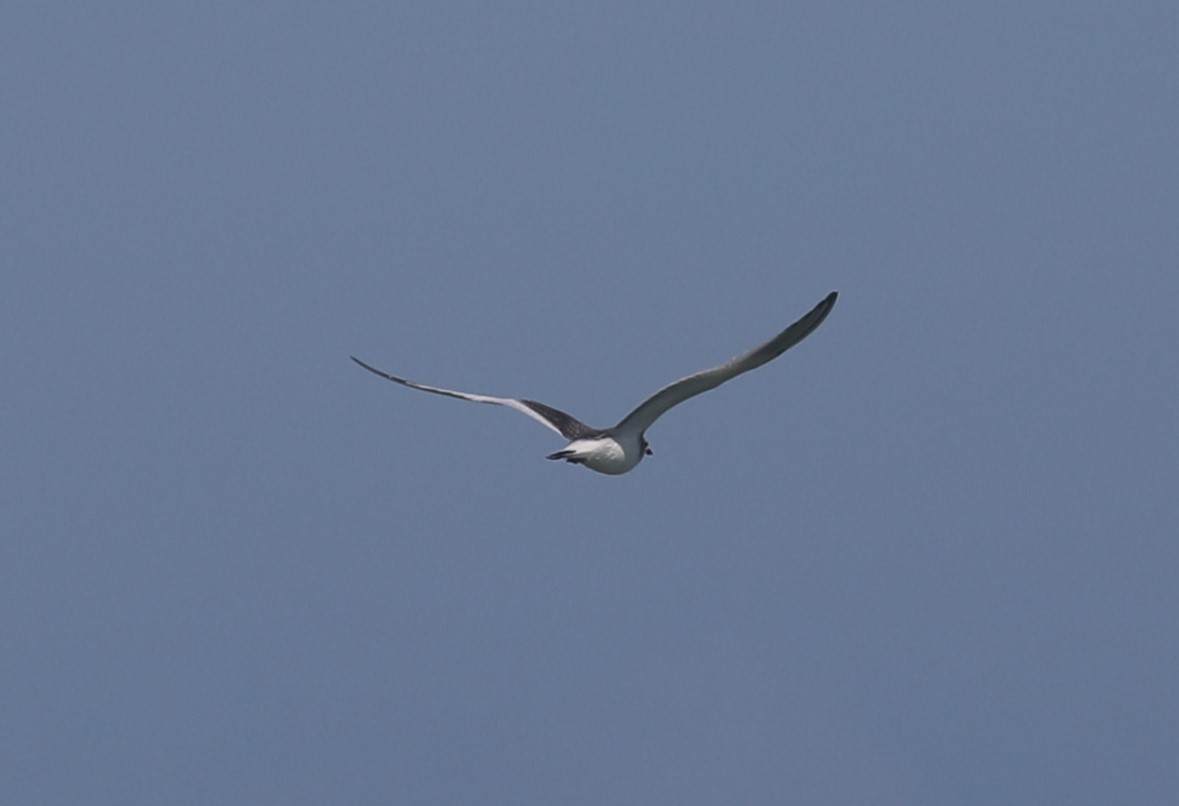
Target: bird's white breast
(606, 455)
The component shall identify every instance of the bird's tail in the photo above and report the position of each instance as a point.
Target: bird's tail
(568, 455)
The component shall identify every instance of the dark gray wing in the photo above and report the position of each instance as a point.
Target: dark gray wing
(657, 404)
(570, 427)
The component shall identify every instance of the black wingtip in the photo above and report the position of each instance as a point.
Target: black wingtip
(375, 371)
(825, 306)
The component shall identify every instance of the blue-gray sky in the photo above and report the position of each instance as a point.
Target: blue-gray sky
(927, 557)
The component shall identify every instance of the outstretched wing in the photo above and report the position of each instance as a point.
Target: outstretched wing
(564, 424)
(657, 404)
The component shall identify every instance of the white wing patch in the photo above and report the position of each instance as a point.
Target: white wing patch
(510, 402)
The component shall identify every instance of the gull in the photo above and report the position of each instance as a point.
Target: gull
(617, 450)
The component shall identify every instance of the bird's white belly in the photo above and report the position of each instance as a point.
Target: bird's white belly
(606, 455)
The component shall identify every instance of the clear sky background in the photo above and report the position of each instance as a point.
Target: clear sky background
(927, 557)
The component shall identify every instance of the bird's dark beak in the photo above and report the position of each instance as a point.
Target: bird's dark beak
(650, 452)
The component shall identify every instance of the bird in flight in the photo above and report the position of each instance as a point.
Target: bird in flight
(617, 450)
